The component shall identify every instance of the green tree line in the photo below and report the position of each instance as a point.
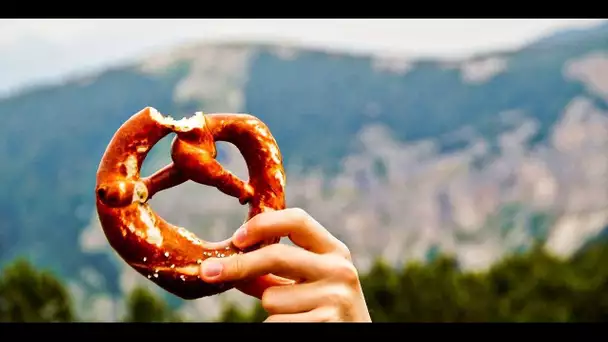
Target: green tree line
(527, 287)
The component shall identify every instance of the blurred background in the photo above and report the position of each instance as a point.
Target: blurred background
(464, 162)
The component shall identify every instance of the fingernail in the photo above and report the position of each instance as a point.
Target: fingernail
(212, 269)
(240, 235)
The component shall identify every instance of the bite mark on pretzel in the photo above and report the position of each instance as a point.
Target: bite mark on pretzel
(181, 125)
(166, 254)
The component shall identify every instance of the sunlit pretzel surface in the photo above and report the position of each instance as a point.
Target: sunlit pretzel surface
(166, 254)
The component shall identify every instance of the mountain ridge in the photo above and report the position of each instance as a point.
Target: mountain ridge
(85, 73)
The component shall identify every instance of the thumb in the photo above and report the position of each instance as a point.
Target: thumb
(257, 286)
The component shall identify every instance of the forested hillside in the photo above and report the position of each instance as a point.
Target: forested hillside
(532, 287)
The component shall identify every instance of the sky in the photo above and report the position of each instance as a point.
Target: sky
(49, 50)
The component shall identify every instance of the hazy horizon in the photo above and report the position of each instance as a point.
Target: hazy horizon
(49, 50)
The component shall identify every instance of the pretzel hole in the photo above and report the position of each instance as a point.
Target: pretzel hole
(205, 211)
(158, 156)
(232, 160)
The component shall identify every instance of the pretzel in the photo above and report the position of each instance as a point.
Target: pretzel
(166, 254)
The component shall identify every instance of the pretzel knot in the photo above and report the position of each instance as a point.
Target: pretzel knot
(166, 254)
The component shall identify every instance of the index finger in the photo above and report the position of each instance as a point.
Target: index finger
(295, 223)
(293, 262)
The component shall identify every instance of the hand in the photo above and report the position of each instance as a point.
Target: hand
(315, 282)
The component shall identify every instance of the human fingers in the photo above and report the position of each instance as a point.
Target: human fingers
(294, 262)
(321, 314)
(294, 223)
(306, 297)
(257, 286)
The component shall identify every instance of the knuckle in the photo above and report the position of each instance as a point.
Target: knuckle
(343, 250)
(268, 301)
(276, 253)
(237, 267)
(345, 271)
(299, 215)
(339, 297)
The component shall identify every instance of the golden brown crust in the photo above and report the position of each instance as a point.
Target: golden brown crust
(169, 255)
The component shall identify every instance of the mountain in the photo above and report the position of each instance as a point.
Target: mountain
(571, 36)
(399, 158)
